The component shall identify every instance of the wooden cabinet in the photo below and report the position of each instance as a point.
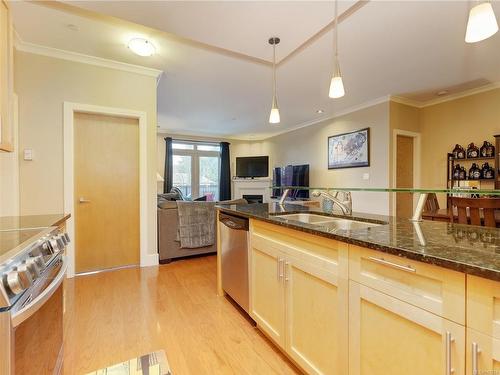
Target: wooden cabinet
(6, 79)
(299, 296)
(267, 298)
(342, 309)
(316, 317)
(483, 305)
(388, 336)
(483, 353)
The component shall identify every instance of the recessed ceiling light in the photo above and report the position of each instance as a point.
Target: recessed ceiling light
(320, 111)
(442, 92)
(142, 47)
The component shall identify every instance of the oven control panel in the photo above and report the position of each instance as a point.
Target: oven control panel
(21, 271)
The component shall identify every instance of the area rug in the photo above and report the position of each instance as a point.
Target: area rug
(155, 363)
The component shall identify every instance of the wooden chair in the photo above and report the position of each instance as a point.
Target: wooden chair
(431, 204)
(475, 206)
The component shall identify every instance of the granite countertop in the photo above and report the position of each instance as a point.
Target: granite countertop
(32, 221)
(464, 248)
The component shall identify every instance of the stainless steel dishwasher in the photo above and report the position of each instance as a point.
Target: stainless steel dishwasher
(234, 249)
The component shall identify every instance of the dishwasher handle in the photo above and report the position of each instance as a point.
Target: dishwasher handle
(234, 222)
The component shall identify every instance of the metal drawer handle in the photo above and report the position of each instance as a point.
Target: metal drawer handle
(475, 359)
(449, 340)
(393, 265)
(286, 270)
(278, 263)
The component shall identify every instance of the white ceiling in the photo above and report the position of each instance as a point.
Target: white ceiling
(385, 48)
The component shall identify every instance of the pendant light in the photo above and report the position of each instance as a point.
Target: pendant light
(336, 84)
(274, 116)
(482, 23)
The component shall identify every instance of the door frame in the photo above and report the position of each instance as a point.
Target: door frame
(70, 109)
(416, 163)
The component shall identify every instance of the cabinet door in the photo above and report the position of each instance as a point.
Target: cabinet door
(6, 81)
(391, 337)
(267, 294)
(483, 305)
(316, 316)
(483, 353)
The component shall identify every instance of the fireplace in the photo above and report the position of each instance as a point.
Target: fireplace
(253, 198)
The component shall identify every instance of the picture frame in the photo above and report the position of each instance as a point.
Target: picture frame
(349, 150)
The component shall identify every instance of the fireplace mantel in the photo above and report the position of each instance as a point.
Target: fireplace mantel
(252, 186)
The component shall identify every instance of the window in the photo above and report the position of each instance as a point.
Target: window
(196, 169)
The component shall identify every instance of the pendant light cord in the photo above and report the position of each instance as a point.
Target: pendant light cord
(336, 33)
(274, 70)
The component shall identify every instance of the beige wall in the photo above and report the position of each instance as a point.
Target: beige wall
(474, 118)
(309, 146)
(43, 84)
(9, 174)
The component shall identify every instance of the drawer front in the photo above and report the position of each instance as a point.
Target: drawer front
(435, 289)
(390, 337)
(328, 255)
(483, 305)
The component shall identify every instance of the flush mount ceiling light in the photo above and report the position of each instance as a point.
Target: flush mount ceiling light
(274, 116)
(142, 47)
(336, 84)
(320, 111)
(482, 23)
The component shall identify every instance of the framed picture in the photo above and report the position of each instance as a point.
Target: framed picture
(349, 150)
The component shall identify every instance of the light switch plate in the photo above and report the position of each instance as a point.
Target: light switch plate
(28, 154)
(366, 176)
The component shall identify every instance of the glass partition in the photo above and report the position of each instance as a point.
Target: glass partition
(460, 190)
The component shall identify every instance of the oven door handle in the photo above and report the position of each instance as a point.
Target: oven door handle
(20, 316)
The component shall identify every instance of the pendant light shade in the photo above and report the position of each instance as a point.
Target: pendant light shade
(482, 23)
(274, 116)
(336, 83)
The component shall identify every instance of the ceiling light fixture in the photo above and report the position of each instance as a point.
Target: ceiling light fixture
(142, 47)
(320, 111)
(336, 84)
(274, 116)
(482, 23)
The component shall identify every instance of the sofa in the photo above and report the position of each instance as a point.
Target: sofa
(169, 247)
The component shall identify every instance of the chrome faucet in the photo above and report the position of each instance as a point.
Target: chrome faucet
(345, 204)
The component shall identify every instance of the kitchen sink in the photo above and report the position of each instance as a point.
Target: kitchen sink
(329, 221)
(307, 218)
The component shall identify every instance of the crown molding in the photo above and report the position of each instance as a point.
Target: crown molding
(447, 98)
(355, 108)
(37, 49)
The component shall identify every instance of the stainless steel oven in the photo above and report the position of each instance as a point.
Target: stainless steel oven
(31, 316)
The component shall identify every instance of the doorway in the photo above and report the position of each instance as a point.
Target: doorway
(404, 175)
(106, 192)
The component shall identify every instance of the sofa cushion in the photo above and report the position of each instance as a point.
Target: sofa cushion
(165, 205)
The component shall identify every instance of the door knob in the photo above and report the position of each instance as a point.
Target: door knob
(83, 200)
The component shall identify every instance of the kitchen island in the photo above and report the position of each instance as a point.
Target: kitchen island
(388, 297)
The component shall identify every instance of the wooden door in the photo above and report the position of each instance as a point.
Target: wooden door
(404, 175)
(316, 316)
(106, 162)
(267, 295)
(483, 353)
(391, 337)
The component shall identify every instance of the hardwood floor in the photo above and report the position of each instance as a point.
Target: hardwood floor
(114, 316)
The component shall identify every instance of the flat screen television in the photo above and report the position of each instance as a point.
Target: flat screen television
(252, 166)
